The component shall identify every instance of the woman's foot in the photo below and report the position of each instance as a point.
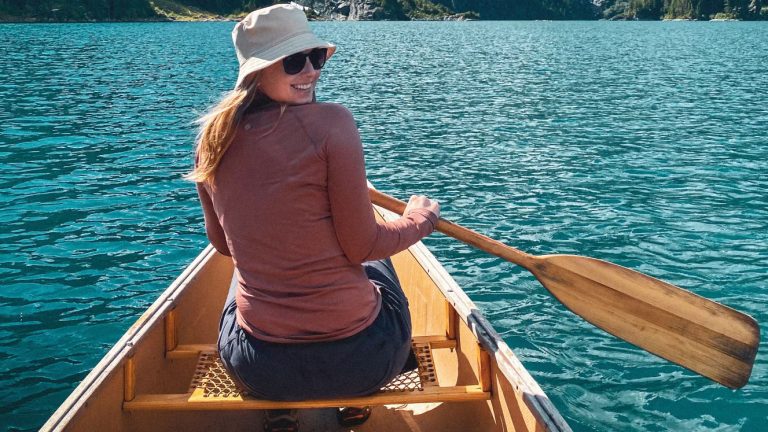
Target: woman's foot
(283, 420)
(353, 416)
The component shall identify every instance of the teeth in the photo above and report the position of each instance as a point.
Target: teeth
(303, 86)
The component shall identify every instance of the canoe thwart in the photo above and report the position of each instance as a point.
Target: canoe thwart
(212, 388)
(194, 350)
(184, 402)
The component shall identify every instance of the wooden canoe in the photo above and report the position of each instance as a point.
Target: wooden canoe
(470, 380)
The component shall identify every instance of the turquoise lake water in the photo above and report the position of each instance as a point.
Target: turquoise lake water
(641, 143)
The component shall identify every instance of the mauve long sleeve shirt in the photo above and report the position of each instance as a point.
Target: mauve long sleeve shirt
(290, 204)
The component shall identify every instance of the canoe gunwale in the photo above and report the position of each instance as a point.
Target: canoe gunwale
(508, 363)
(124, 346)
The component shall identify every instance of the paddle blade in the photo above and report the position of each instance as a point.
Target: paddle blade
(704, 336)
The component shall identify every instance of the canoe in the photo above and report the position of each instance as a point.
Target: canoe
(164, 373)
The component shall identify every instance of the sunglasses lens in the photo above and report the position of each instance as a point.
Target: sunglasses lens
(294, 63)
(317, 57)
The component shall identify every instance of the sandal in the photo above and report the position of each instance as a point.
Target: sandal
(353, 416)
(282, 420)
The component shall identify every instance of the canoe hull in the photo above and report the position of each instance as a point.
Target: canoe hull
(138, 363)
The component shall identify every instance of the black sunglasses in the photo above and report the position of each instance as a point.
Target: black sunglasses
(294, 63)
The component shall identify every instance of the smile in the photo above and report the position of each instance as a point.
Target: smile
(302, 86)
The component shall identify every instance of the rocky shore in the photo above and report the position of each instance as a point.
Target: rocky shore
(376, 10)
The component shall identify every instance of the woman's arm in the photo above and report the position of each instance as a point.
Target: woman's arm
(212, 226)
(360, 236)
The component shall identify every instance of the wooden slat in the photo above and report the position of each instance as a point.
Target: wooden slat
(129, 379)
(484, 368)
(445, 343)
(435, 342)
(188, 401)
(451, 320)
(171, 336)
(190, 350)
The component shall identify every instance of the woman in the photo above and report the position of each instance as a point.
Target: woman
(315, 309)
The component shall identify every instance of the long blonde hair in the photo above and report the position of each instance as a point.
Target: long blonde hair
(218, 126)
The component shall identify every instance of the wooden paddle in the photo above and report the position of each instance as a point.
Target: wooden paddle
(706, 337)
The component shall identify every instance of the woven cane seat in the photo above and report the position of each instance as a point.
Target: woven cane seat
(211, 380)
(212, 388)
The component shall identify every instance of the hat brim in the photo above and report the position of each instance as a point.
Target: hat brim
(302, 42)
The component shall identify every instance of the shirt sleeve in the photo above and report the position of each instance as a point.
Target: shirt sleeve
(361, 237)
(212, 226)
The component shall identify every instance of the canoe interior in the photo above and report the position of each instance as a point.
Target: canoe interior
(438, 307)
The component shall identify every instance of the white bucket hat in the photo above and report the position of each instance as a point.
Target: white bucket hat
(268, 35)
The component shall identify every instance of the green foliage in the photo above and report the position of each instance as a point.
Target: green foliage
(707, 9)
(678, 9)
(77, 10)
(647, 9)
(424, 9)
(525, 9)
(393, 10)
(614, 9)
(171, 10)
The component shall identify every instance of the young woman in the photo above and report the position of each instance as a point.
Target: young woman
(315, 309)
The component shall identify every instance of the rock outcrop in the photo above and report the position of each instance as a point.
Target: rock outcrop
(357, 10)
(365, 10)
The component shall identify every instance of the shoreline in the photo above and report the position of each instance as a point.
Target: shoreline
(210, 19)
(15, 20)
(324, 19)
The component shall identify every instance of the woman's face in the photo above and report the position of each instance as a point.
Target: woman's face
(289, 89)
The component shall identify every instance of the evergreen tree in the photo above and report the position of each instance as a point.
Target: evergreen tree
(741, 9)
(678, 9)
(393, 10)
(647, 9)
(706, 9)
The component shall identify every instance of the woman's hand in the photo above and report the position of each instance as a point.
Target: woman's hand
(420, 201)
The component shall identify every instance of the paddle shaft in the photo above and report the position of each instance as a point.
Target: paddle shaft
(460, 233)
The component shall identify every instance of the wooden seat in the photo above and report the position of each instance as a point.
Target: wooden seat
(211, 387)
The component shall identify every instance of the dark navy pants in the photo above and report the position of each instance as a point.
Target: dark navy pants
(353, 366)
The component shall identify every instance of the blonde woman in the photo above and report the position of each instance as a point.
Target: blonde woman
(315, 309)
